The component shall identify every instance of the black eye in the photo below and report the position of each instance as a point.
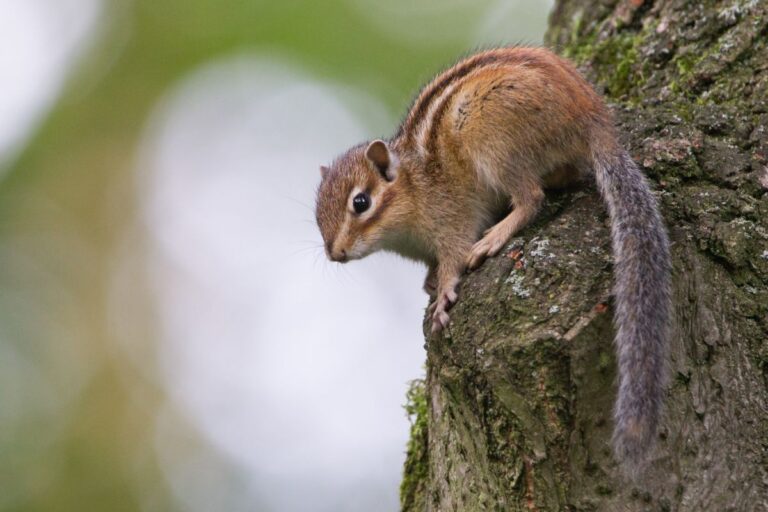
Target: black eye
(361, 202)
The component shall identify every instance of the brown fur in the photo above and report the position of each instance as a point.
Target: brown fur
(483, 138)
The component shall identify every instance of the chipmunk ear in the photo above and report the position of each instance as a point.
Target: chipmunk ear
(379, 155)
(323, 171)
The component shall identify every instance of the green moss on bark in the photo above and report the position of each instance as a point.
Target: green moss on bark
(415, 471)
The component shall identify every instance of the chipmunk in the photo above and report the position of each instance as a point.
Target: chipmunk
(486, 137)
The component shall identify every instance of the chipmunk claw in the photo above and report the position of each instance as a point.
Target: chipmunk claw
(440, 307)
(440, 321)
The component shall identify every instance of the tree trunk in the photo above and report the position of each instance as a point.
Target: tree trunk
(515, 413)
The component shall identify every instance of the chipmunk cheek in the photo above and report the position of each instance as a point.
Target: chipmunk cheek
(360, 249)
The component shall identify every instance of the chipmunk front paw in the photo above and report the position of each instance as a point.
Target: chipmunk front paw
(445, 300)
(490, 245)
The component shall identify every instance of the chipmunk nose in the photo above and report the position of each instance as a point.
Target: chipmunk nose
(339, 255)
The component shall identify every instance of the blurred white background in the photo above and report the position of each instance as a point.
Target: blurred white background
(167, 307)
(293, 366)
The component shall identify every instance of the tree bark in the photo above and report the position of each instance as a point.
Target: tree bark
(515, 412)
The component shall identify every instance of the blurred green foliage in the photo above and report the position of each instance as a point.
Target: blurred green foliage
(78, 419)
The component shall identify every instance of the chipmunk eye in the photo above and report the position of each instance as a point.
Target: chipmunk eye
(361, 202)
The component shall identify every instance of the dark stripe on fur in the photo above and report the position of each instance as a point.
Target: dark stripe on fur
(434, 127)
(386, 199)
(427, 95)
(421, 106)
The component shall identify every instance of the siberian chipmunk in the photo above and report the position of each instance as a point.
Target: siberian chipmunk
(481, 140)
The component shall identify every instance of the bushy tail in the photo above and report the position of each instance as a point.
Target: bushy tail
(642, 295)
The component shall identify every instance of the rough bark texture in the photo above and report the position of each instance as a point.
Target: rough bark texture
(515, 413)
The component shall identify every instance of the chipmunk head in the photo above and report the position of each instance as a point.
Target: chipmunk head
(357, 200)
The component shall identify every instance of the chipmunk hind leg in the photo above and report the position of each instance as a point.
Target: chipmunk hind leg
(564, 176)
(526, 195)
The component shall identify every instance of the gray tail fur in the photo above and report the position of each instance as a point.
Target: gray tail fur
(642, 295)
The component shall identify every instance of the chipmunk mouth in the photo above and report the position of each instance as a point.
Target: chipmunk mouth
(360, 250)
